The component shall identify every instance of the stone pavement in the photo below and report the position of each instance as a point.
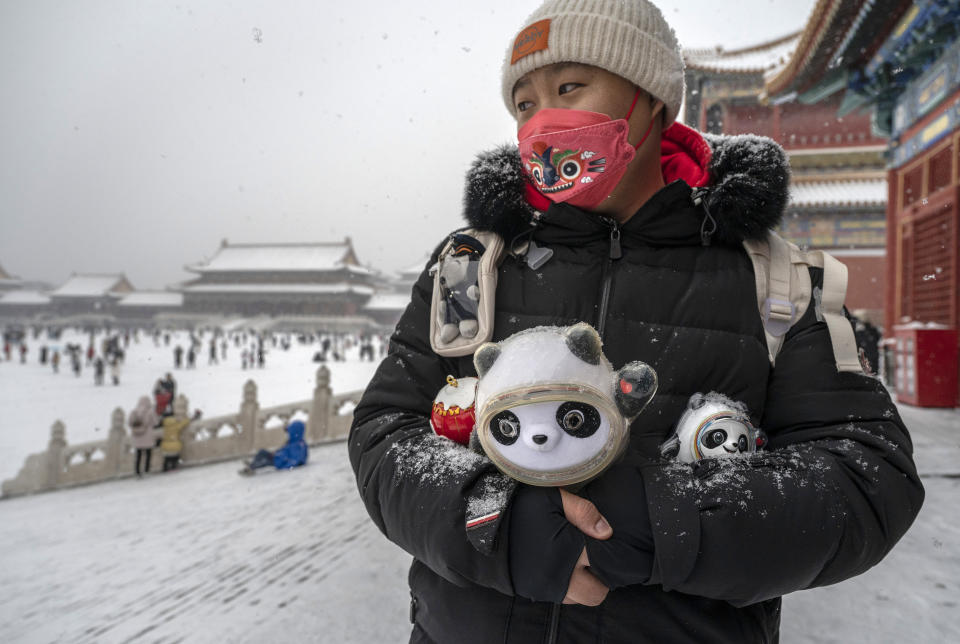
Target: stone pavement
(204, 555)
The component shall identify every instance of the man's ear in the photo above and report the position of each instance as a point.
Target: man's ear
(658, 109)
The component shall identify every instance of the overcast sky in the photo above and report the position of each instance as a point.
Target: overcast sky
(135, 136)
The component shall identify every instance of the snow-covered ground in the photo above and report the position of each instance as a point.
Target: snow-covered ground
(32, 396)
(204, 555)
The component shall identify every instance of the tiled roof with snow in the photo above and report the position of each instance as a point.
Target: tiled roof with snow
(88, 285)
(388, 302)
(24, 297)
(413, 271)
(152, 298)
(853, 192)
(280, 257)
(759, 58)
(315, 289)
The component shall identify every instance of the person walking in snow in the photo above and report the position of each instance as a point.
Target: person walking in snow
(143, 421)
(177, 356)
(98, 371)
(55, 361)
(650, 251)
(293, 454)
(164, 392)
(115, 366)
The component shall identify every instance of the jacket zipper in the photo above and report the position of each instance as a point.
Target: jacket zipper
(554, 630)
(615, 253)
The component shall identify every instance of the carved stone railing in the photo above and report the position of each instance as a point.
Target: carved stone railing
(206, 440)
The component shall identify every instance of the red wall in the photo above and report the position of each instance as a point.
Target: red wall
(799, 126)
(866, 282)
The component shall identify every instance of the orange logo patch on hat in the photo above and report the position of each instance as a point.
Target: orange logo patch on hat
(533, 38)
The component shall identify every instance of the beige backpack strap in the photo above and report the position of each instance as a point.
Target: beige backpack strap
(844, 342)
(783, 287)
(784, 291)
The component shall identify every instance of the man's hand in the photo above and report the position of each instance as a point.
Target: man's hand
(585, 516)
(584, 587)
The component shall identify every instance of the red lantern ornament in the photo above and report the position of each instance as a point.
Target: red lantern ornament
(453, 412)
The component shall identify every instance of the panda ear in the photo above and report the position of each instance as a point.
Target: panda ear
(485, 356)
(670, 447)
(584, 342)
(636, 384)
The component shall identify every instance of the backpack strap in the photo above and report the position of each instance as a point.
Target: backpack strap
(783, 288)
(844, 341)
(784, 291)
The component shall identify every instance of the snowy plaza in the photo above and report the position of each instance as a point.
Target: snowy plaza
(204, 555)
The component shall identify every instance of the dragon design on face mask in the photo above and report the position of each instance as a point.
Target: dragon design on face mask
(556, 170)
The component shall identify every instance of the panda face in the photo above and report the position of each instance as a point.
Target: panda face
(549, 436)
(723, 436)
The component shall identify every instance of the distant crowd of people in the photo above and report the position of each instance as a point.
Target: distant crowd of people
(108, 353)
(152, 422)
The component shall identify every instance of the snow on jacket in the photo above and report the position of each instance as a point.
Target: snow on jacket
(142, 420)
(294, 453)
(698, 553)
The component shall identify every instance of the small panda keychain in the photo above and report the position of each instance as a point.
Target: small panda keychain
(550, 409)
(712, 426)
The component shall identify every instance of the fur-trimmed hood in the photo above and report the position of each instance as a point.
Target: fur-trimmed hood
(745, 180)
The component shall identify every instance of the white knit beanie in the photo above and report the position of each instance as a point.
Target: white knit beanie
(629, 38)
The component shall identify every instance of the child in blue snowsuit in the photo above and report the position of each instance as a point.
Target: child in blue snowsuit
(293, 454)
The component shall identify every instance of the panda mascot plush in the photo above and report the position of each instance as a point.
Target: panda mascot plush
(712, 426)
(550, 409)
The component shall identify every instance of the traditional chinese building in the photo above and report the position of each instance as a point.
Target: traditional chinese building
(897, 63)
(322, 279)
(392, 297)
(24, 306)
(838, 185)
(9, 282)
(144, 308)
(89, 297)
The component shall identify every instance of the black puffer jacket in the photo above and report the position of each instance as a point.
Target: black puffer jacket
(698, 553)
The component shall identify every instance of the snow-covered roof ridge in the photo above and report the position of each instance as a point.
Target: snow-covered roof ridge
(756, 58)
(388, 302)
(152, 298)
(4, 275)
(260, 287)
(839, 193)
(297, 256)
(93, 285)
(24, 296)
(414, 270)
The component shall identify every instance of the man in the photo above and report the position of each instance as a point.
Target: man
(652, 550)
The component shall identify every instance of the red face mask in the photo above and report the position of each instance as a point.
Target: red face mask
(576, 156)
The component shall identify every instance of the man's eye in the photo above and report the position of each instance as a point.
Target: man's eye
(568, 87)
(523, 106)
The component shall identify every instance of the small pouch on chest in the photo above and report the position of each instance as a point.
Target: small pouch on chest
(464, 293)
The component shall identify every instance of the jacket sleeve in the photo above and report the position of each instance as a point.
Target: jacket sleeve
(832, 494)
(420, 488)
